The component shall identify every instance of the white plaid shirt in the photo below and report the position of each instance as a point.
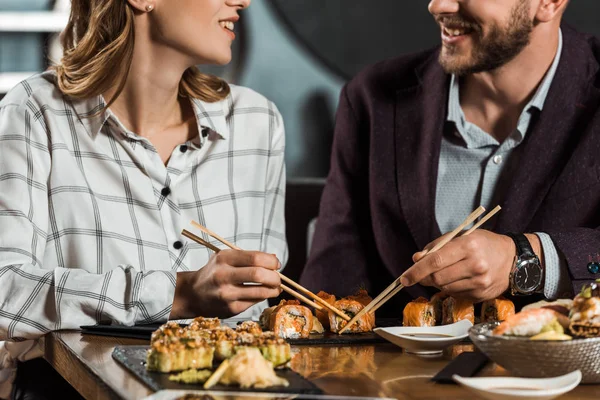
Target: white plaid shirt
(91, 218)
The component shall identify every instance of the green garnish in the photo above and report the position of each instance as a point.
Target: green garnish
(191, 376)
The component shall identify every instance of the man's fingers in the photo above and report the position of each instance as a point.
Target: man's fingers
(262, 276)
(239, 258)
(446, 276)
(433, 262)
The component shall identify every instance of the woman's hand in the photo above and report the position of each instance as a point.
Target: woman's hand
(219, 289)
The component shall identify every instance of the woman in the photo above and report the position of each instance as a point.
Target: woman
(105, 159)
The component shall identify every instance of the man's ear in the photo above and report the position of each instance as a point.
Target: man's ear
(549, 10)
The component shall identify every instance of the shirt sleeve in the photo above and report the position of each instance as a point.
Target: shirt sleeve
(36, 298)
(274, 239)
(557, 283)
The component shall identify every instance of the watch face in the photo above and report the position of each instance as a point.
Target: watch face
(528, 276)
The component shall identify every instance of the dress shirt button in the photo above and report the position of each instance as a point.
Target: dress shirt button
(177, 245)
(497, 160)
(165, 191)
(594, 267)
(183, 148)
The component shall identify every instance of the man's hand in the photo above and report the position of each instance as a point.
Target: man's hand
(476, 267)
(218, 289)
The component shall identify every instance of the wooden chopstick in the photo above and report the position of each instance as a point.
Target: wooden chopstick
(214, 248)
(476, 226)
(396, 285)
(284, 278)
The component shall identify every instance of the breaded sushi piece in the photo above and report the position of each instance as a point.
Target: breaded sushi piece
(497, 310)
(419, 312)
(249, 327)
(179, 354)
(454, 310)
(204, 323)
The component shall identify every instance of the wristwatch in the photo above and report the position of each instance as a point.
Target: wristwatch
(527, 275)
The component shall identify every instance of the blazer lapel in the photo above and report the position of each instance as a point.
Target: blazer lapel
(419, 123)
(546, 147)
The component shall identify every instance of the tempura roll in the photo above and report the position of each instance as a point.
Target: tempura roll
(365, 323)
(323, 316)
(224, 341)
(179, 355)
(455, 310)
(437, 301)
(290, 320)
(204, 323)
(419, 312)
(497, 310)
(249, 327)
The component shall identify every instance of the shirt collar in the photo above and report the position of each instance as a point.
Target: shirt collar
(208, 115)
(457, 116)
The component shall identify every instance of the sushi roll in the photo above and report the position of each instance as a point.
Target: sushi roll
(352, 306)
(497, 310)
(204, 323)
(323, 315)
(454, 310)
(419, 312)
(290, 320)
(249, 327)
(224, 340)
(179, 354)
(437, 301)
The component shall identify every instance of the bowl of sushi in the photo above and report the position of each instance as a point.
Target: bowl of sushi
(547, 339)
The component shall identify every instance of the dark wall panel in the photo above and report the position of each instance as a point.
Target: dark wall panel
(347, 35)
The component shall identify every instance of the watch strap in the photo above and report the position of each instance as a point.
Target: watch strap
(523, 246)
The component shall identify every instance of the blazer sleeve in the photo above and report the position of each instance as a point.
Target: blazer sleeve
(340, 247)
(574, 244)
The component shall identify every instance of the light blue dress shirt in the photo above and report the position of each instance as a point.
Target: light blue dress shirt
(475, 169)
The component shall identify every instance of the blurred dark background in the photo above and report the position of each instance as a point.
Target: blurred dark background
(298, 53)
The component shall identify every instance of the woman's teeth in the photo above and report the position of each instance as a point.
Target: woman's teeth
(227, 25)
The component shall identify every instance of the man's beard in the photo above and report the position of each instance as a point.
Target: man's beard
(494, 50)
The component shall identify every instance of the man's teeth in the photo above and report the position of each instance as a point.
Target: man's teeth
(227, 25)
(455, 32)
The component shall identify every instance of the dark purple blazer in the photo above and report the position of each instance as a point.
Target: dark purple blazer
(378, 206)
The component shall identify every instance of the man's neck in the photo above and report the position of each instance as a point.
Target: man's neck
(495, 100)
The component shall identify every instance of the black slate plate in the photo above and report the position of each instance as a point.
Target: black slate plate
(145, 331)
(133, 358)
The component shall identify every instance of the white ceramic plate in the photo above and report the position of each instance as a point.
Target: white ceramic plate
(426, 340)
(501, 388)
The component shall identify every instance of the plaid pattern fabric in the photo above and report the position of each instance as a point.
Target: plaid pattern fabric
(91, 218)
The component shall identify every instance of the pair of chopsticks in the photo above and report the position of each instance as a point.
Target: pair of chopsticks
(396, 286)
(321, 303)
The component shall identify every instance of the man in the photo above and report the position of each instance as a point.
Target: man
(505, 112)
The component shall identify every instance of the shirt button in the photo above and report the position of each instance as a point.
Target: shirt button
(177, 245)
(497, 160)
(183, 148)
(165, 191)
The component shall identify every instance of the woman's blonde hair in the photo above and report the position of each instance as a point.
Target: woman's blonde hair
(98, 49)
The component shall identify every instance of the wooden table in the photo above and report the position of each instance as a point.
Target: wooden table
(372, 370)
